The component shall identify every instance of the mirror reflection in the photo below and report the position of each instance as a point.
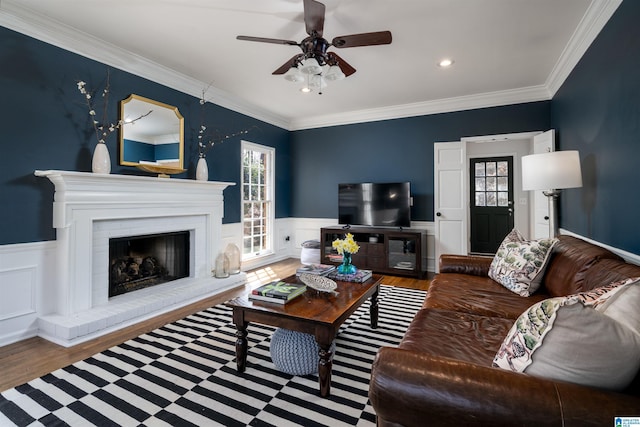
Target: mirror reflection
(151, 136)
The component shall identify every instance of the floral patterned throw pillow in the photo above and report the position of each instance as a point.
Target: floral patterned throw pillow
(571, 339)
(519, 264)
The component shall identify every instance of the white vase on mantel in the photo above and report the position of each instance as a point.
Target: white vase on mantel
(101, 162)
(202, 170)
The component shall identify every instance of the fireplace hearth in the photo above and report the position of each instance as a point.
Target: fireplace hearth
(138, 262)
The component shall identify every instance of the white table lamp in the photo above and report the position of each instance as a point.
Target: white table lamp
(551, 172)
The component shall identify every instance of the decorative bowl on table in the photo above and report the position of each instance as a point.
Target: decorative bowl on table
(318, 283)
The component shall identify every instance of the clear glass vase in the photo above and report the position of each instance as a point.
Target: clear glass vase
(346, 267)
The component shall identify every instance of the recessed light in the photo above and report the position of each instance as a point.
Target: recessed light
(305, 89)
(445, 63)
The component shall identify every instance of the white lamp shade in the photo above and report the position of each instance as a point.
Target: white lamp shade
(334, 74)
(310, 66)
(294, 75)
(317, 82)
(551, 171)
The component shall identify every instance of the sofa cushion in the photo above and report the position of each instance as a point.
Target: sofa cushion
(623, 302)
(568, 339)
(572, 265)
(608, 271)
(478, 295)
(462, 336)
(519, 264)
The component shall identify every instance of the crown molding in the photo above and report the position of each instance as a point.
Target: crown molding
(471, 102)
(593, 21)
(40, 27)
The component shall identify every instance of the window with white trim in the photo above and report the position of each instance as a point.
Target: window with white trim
(258, 216)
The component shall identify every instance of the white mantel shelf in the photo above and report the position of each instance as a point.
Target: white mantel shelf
(88, 210)
(144, 191)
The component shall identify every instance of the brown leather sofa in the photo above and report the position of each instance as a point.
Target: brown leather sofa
(441, 373)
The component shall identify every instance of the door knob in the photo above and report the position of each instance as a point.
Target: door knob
(546, 218)
(438, 214)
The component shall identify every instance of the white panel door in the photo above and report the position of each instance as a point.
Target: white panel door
(542, 215)
(450, 201)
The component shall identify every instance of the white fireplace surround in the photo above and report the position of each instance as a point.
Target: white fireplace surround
(88, 210)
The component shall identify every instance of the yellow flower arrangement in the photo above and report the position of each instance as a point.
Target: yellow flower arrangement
(346, 245)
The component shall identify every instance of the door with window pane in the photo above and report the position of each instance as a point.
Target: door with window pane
(491, 202)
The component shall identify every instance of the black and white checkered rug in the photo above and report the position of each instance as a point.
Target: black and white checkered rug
(184, 374)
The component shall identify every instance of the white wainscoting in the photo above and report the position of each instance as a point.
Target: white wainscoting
(26, 271)
(299, 230)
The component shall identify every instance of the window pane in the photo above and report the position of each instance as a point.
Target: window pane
(257, 243)
(491, 184)
(491, 199)
(503, 183)
(257, 214)
(503, 198)
(480, 184)
(491, 168)
(503, 168)
(480, 199)
(480, 169)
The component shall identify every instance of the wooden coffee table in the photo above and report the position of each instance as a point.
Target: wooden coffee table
(317, 313)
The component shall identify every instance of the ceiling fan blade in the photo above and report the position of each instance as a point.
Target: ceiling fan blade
(287, 65)
(344, 66)
(314, 17)
(364, 39)
(267, 40)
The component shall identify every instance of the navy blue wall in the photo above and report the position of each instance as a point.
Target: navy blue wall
(44, 125)
(390, 151)
(597, 111)
(134, 151)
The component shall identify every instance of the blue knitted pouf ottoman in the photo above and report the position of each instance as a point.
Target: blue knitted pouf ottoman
(295, 353)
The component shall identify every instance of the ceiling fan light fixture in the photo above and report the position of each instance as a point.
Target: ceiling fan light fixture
(310, 66)
(317, 82)
(293, 75)
(334, 74)
(305, 89)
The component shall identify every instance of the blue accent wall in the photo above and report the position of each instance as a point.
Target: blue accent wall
(134, 151)
(166, 151)
(44, 124)
(597, 111)
(392, 151)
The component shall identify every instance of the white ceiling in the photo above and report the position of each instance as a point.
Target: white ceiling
(505, 51)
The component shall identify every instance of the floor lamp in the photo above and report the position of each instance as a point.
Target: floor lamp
(551, 172)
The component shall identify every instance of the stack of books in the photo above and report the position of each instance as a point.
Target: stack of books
(317, 269)
(278, 292)
(358, 277)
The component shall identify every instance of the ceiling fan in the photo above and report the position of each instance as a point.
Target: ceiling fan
(314, 49)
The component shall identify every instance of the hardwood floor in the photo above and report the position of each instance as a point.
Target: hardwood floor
(31, 358)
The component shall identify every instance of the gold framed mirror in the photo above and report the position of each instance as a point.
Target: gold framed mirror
(151, 136)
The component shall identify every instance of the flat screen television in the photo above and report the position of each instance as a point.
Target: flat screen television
(375, 204)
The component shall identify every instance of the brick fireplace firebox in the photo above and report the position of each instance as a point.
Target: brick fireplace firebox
(89, 210)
